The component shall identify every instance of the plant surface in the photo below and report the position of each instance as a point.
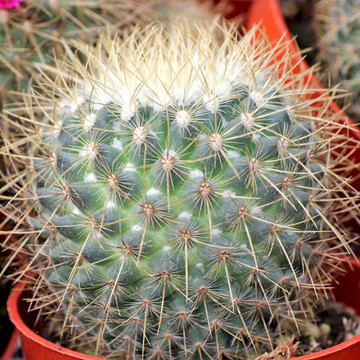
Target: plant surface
(181, 194)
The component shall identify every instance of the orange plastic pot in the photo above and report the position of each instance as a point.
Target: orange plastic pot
(34, 347)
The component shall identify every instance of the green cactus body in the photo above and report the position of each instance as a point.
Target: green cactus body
(182, 190)
(338, 24)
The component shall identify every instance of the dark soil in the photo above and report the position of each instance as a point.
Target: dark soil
(335, 324)
(299, 18)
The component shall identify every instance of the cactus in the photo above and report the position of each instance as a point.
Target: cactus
(338, 29)
(180, 197)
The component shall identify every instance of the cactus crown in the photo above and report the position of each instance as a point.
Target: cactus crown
(184, 193)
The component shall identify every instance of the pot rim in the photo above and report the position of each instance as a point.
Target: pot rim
(25, 331)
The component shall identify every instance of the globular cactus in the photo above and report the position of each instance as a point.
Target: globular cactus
(180, 198)
(338, 30)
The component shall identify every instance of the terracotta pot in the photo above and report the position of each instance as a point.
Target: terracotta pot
(35, 347)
